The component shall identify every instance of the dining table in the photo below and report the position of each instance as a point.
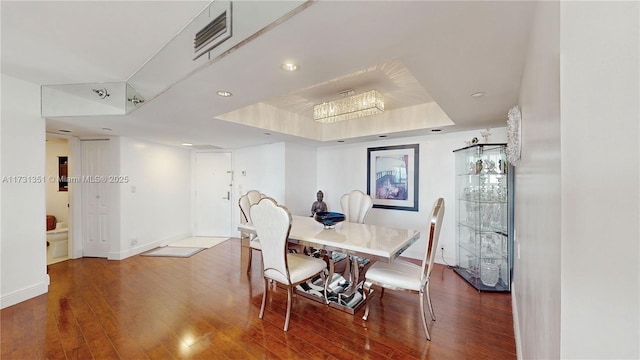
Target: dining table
(357, 242)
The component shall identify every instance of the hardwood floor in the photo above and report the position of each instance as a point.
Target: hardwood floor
(206, 307)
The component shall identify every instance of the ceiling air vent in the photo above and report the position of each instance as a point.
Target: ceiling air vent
(214, 34)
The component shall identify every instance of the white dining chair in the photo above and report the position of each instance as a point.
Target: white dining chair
(356, 205)
(245, 202)
(404, 275)
(272, 223)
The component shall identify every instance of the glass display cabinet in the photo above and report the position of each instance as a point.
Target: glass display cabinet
(484, 216)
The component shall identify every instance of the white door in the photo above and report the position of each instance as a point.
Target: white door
(212, 195)
(95, 198)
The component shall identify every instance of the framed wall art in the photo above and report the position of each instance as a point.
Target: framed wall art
(392, 176)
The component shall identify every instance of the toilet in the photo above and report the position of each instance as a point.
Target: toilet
(58, 240)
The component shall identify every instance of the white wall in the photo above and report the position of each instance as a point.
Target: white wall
(155, 203)
(23, 257)
(57, 201)
(115, 190)
(300, 178)
(75, 198)
(264, 170)
(536, 289)
(343, 168)
(600, 96)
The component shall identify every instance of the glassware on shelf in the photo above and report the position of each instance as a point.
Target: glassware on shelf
(478, 166)
(490, 247)
(497, 220)
(501, 186)
(472, 168)
(485, 213)
(490, 166)
(504, 246)
(471, 214)
(467, 193)
(502, 165)
(489, 273)
(497, 193)
(472, 265)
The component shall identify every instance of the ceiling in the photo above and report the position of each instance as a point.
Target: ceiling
(426, 57)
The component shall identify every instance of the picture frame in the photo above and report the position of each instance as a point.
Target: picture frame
(63, 173)
(392, 176)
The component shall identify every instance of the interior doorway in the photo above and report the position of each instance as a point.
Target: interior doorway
(57, 194)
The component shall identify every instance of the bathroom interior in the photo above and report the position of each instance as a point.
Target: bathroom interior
(57, 194)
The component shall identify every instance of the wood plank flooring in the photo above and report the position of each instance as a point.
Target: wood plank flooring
(206, 307)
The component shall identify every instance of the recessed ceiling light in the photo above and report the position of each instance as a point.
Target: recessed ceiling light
(436, 130)
(224, 93)
(478, 94)
(382, 136)
(187, 144)
(289, 67)
(340, 141)
(267, 133)
(107, 129)
(64, 130)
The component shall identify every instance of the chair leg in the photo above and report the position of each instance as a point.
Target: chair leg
(433, 314)
(264, 298)
(381, 292)
(249, 263)
(289, 300)
(366, 292)
(424, 316)
(325, 282)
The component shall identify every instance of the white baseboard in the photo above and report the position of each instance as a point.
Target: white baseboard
(516, 322)
(25, 293)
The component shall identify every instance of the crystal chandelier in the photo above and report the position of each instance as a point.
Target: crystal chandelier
(349, 107)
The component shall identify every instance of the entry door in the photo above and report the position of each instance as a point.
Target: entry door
(212, 196)
(95, 198)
